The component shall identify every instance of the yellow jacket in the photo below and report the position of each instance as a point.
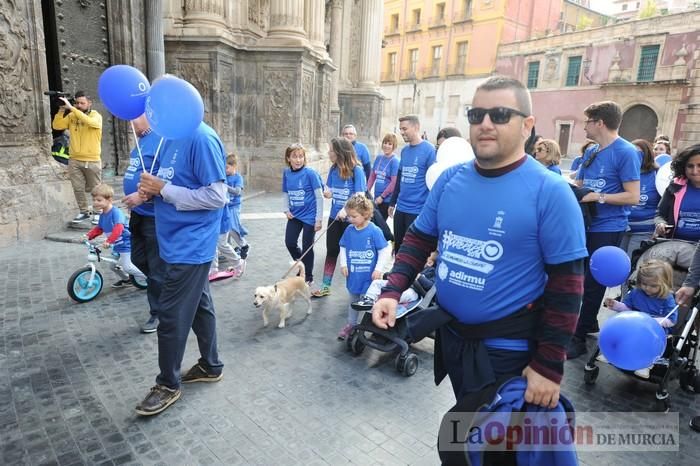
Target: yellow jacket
(85, 133)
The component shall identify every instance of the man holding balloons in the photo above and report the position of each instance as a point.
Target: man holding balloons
(511, 245)
(611, 169)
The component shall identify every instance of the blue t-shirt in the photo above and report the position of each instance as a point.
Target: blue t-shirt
(655, 307)
(495, 235)
(108, 220)
(149, 145)
(361, 251)
(235, 180)
(641, 217)
(415, 161)
(362, 153)
(555, 169)
(616, 164)
(384, 168)
(576, 163)
(343, 189)
(226, 224)
(189, 236)
(688, 223)
(300, 186)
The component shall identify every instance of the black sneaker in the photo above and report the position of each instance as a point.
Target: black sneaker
(121, 284)
(157, 400)
(150, 326)
(198, 374)
(364, 304)
(244, 251)
(80, 217)
(577, 347)
(695, 423)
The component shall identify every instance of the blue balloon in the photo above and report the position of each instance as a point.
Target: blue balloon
(632, 340)
(662, 159)
(610, 266)
(174, 107)
(123, 90)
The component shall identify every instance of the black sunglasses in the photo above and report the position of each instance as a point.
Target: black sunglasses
(497, 115)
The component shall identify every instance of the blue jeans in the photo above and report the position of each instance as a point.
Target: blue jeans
(185, 302)
(593, 291)
(146, 256)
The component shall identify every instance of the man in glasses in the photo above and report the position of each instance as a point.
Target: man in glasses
(411, 191)
(350, 133)
(611, 169)
(511, 245)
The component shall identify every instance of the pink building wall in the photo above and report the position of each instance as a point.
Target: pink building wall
(549, 106)
(527, 17)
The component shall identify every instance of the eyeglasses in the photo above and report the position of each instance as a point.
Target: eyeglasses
(497, 115)
(585, 122)
(540, 149)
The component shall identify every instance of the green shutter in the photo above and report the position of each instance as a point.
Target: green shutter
(533, 71)
(647, 63)
(573, 73)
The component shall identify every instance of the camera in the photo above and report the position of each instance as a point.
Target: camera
(57, 94)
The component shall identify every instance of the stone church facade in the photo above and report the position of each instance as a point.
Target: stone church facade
(271, 73)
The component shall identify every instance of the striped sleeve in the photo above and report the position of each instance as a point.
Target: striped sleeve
(562, 302)
(410, 260)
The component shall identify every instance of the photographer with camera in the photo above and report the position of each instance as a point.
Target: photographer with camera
(85, 164)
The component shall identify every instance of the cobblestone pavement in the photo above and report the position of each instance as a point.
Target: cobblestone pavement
(71, 374)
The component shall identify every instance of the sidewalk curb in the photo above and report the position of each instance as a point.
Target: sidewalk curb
(67, 234)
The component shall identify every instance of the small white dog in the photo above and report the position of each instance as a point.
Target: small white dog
(281, 295)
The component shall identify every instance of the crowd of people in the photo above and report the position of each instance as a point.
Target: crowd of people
(503, 236)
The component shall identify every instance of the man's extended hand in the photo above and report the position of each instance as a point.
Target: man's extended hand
(150, 185)
(540, 390)
(132, 200)
(384, 313)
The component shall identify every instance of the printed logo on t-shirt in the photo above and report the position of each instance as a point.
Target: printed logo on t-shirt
(296, 198)
(594, 184)
(497, 227)
(166, 173)
(408, 174)
(467, 253)
(361, 261)
(689, 221)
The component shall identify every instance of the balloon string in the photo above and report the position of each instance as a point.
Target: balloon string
(155, 157)
(672, 311)
(138, 147)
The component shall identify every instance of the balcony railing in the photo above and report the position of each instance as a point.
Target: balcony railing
(456, 69)
(391, 30)
(461, 16)
(431, 71)
(410, 74)
(413, 27)
(388, 76)
(437, 22)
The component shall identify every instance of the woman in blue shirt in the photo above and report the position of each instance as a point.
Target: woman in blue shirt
(547, 153)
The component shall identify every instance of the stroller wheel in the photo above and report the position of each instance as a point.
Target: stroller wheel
(590, 375)
(663, 402)
(688, 380)
(407, 365)
(354, 343)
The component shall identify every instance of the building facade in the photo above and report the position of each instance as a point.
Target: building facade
(650, 67)
(436, 52)
(271, 73)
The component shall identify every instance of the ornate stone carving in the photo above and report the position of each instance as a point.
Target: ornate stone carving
(216, 7)
(551, 66)
(279, 102)
(323, 129)
(258, 12)
(199, 75)
(226, 103)
(15, 73)
(307, 110)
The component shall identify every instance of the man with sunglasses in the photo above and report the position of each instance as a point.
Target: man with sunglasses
(511, 245)
(610, 168)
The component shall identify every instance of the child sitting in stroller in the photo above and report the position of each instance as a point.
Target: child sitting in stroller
(653, 296)
(424, 280)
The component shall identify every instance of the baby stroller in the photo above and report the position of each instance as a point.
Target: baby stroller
(411, 320)
(679, 359)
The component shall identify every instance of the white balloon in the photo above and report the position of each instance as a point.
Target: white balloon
(433, 173)
(663, 178)
(454, 150)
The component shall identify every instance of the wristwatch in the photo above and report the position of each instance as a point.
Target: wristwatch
(601, 198)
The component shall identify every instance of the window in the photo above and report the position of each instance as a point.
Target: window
(573, 72)
(394, 25)
(467, 5)
(429, 107)
(392, 64)
(413, 61)
(533, 73)
(440, 12)
(387, 107)
(461, 56)
(624, 7)
(647, 62)
(416, 17)
(453, 106)
(407, 105)
(437, 58)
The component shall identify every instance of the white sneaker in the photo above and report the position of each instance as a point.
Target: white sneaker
(80, 217)
(643, 373)
(601, 358)
(95, 219)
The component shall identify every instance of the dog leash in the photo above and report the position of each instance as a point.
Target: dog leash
(310, 247)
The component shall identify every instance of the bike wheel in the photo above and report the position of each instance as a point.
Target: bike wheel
(79, 288)
(141, 284)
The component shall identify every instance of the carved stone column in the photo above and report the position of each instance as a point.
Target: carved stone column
(371, 42)
(205, 12)
(315, 13)
(155, 48)
(286, 23)
(335, 51)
